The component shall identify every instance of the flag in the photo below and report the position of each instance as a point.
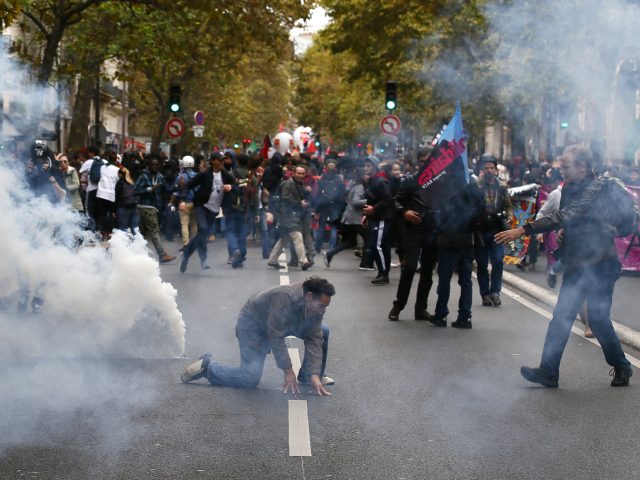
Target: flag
(266, 145)
(446, 171)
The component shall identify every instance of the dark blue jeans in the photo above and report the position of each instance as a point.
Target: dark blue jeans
(248, 374)
(236, 232)
(494, 252)
(127, 218)
(204, 220)
(333, 234)
(448, 260)
(593, 283)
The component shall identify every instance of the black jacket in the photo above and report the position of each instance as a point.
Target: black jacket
(204, 182)
(456, 220)
(408, 198)
(378, 192)
(586, 214)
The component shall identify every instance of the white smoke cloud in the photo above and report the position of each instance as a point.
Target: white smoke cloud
(105, 309)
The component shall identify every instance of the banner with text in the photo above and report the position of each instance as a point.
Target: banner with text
(446, 172)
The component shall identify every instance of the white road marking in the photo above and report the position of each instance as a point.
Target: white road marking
(546, 314)
(299, 439)
(284, 279)
(295, 360)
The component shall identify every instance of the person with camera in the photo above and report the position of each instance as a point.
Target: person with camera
(496, 217)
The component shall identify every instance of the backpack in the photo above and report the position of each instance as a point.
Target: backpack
(240, 199)
(94, 171)
(620, 210)
(331, 191)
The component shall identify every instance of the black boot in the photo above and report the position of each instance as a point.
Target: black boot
(462, 322)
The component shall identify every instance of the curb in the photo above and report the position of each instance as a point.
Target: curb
(627, 335)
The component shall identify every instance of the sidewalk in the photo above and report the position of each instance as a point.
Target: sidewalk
(624, 310)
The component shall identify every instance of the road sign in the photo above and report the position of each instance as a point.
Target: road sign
(175, 127)
(390, 125)
(198, 118)
(198, 130)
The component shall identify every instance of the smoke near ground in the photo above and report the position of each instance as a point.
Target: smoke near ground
(105, 308)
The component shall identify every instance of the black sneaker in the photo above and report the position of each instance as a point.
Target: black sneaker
(236, 259)
(552, 279)
(327, 259)
(621, 376)
(380, 280)
(423, 315)
(307, 265)
(539, 375)
(276, 265)
(438, 322)
(394, 314)
(486, 301)
(462, 323)
(495, 299)
(197, 369)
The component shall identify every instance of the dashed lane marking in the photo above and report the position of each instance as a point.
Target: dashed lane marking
(284, 279)
(299, 439)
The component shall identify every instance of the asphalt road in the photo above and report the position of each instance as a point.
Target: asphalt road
(411, 401)
(625, 305)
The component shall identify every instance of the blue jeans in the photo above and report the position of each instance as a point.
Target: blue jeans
(593, 283)
(127, 218)
(248, 374)
(333, 234)
(236, 233)
(490, 251)
(448, 260)
(204, 220)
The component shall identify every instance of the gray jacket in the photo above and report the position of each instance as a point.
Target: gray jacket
(356, 199)
(270, 316)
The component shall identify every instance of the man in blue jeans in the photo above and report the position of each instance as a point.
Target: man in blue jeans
(497, 215)
(212, 186)
(263, 324)
(589, 217)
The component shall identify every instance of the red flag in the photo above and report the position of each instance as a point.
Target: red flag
(266, 145)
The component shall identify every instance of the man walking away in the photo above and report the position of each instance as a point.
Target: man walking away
(592, 213)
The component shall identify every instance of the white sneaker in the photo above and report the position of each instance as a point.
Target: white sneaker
(328, 380)
(394, 265)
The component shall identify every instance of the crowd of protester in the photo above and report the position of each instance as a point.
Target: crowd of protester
(312, 207)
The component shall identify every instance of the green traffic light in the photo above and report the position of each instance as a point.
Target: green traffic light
(564, 125)
(391, 105)
(175, 107)
(235, 145)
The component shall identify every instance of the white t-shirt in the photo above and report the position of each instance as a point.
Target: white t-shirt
(86, 166)
(215, 199)
(107, 183)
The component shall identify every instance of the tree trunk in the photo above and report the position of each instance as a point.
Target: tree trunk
(50, 52)
(78, 131)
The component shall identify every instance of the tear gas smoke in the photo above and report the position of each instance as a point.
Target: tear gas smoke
(102, 307)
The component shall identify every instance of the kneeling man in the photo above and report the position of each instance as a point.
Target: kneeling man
(264, 322)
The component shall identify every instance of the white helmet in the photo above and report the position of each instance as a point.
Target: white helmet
(188, 161)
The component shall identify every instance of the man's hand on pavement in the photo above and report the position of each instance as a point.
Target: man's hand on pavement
(316, 383)
(290, 381)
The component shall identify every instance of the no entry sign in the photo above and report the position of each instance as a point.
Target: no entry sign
(175, 127)
(390, 125)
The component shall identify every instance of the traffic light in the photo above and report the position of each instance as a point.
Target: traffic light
(391, 96)
(174, 98)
